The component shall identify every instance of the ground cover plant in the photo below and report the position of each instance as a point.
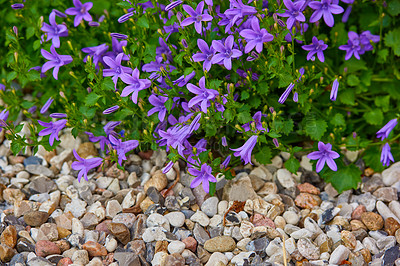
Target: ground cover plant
(215, 83)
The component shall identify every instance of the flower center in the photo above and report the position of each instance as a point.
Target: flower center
(118, 70)
(228, 53)
(210, 56)
(83, 10)
(199, 18)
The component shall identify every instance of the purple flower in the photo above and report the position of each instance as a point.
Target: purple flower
(46, 105)
(168, 167)
(276, 142)
(257, 122)
(235, 14)
(245, 151)
(295, 97)
(85, 165)
(325, 8)
(118, 36)
(116, 69)
(80, 11)
(96, 52)
(17, 6)
(111, 110)
(56, 61)
(196, 17)
(324, 155)
(334, 91)
(52, 129)
(204, 175)
(226, 162)
(384, 132)
(386, 155)
(206, 54)
(346, 14)
(204, 95)
(122, 147)
(59, 13)
(163, 49)
(224, 143)
(317, 47)
(3, 87)
(158, 103)
(182, 80)
(173, 5)
(226, 52)
(54, 31)
(358, 44)
(293, 12)
(117, 49)
(125, 17)
(135, 85)
(58, 115)
(255, 37)
(3, 117)
(286, 93)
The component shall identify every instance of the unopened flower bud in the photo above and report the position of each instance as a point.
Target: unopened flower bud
(15, 29)
(276, 142)
(184, 43)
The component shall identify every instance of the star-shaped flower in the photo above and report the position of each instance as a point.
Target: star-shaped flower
(324, 155)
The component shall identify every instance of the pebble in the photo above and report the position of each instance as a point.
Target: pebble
(291, 217)
(80, 257)
(44, 248)
(9, 236)
(201, 218)
(217, 258)
(94, 249)
(372, 221)
(210, 206)
(308, 201)
(308, 249)
(386, 194)
(176, 219)
(340, 254)
(176, 247)
(120, 231)
(220, 244)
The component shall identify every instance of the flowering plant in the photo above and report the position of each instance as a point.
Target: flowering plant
(196, 78)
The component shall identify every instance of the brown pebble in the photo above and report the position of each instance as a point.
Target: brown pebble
(391, 226)
(397, 235)
(120, 231)
(368, 171)
(308, 201)
(308, 188)
(174, 260)
(63, 245)
(366, 254)
(44, 248)
(64, 262)
(9, 236)
(349, 240)
(356, 215)
(103, 226)
(357, 224)
(190, 243)
(372, 220)
(6, 253)
(94, 249)
(161, 246)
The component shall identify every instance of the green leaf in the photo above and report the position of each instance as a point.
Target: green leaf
(215, 84)
(36, 45)
(315, 128)
(125, 5)
(372, 157)
(211, 129)
(18, 128)
(394, 7)
(339, 33)
(244, 117)
(91, 99)
(374, 117)
(16, 147)
(264, 156)
(11, 76)
(244, 95)
(345, 178)
(143, 22)
(382, 55)
(228, 115)
(383, 101)
(338, 120)
(168, 104)
(392, 39)
(353, 80)
(213, 186)
(263, 88)
(88, 112)
(203, 156)
(27, 105)
(29, 32)
(347, 97)
(292, 164)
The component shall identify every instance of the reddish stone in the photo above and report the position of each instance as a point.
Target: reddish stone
(308, 188)
(95, 249)
(356, 215)
(103, 226)
(261, 220)
(65, 262)
(190, 243)
(44, 248)
(307, 201)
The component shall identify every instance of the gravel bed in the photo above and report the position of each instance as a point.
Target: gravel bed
(140, 216)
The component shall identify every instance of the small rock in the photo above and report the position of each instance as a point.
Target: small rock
(80, 257)
(385, 212)
(201, 218)
(200, 234)
(158, 180)
(94, 249)
(77, 207)
(87, 149)
(120, 231)
(190, 243)
(356, 215)
(37, 169)
(349, 240)
(284, 177)
(306, 200)
(9, 236)
(372, 220)
(174, 260)
(176, 219)
(217, 258)
(220, 244)
(291, 217)
(44, 248)
(308, 188)
(6, 253)
(48, 231)
(113, 208)
(308, 249)
(176, 247)
(340, 254)
(386, 194)
(391, 226)
(210, 206)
